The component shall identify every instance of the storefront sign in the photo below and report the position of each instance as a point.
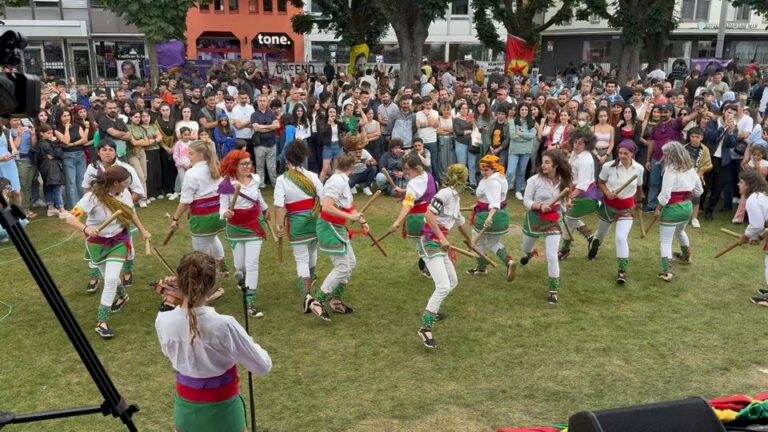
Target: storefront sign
(729, 26)
(491, 67)
(292, 69)
(273, 39)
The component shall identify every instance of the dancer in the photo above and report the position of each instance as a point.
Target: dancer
(490, 219)
(618, 205)
(444, 212)
(199, 195)
(679, 184)
(109, 247)
(244, 219)
(543, 216)
(585, 194)
(107, 157)
(204, 348)
(334, 238)
(419, 191)
(752, 185)
(297, 204)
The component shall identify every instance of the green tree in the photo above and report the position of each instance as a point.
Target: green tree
(159, 20)
(352, 22)
(760, 7)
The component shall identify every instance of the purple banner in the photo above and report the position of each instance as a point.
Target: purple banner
(709, 65)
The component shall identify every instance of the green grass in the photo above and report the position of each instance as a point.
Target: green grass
(505, 357)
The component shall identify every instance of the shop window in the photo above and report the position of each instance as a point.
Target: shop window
(458, 51)
(233, 6)
(314, 7)
(695, 10)
(705, 48)
(282, 6)
(321, 51)
(253, 6)
(218, 6)
(597, 51)
(460, 7)
(218, 46)
(267, 6)
(748, 50)
(434, 52)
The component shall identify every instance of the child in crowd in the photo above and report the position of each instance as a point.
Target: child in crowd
(702, 163)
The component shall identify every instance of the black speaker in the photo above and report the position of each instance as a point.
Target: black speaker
(687, 415)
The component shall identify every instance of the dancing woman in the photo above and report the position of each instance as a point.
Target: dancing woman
(108, 248)
(542, 218)
(679, 184)
(585, 194)
(297, 204)
(200, 196)
(618, 207)
(244, 219)
(752, 185)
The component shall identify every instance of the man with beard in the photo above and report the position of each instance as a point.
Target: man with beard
(196, 102)
(209, 113)
(404, 123)
(241, 120)
(112, 126)
(154, 108)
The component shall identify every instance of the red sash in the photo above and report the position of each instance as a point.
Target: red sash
(248, 219)
(678, 197)
(335, 219)
(204, 206)
(552, 216)
(620, 204)
(419, 208)
(209, 390)
(482, 206)
(302, 206)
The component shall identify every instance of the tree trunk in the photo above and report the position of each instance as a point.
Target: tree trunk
(154, 69)
(629, 62)
(655, 44)
(411, 31)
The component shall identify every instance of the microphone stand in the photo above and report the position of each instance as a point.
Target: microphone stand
(244, 289)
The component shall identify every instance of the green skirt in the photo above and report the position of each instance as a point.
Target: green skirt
(97, 254)
(609, 214)
(226, 416)
(331, 238)
(534, 226)
(302, 228)
(499, 224)
(582, 207)
(208, 225)
(429, 248)
(414, 224)
(236, 234)
(676, 214)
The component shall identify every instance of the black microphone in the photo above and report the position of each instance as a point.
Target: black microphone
(240, 278)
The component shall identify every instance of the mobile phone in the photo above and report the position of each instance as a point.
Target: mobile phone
(26, 122)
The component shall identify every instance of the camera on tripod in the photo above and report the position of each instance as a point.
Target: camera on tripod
(19, 93)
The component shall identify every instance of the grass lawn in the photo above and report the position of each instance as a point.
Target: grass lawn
(505, 357)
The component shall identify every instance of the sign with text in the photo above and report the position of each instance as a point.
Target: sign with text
(292, 69)
(280, 40)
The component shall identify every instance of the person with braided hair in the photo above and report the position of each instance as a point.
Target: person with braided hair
(444, 213)
(297, 204)
(204, 348)
(542, 218)
(245, 219)
(109, 247)
(490, 219)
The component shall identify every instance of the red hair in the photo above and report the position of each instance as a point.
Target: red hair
(229, 164)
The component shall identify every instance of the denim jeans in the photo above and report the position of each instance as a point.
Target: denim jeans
(462, 151)
(435, 157)
(74, 171)
(655, 185)
(27, 175)
(516, 170)
(53, 196)
(364, 178)
(472, 159)
(445, 146)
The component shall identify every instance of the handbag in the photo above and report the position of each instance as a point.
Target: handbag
(741, 147)
(476, 137)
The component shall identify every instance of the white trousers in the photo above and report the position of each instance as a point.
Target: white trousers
(343, 265)
(110, 271)
(551, 246)
(445, 279)
(210, 245)
(667, 235)
(305, 255)
(246, 256)
(489, 242)
(623, 226)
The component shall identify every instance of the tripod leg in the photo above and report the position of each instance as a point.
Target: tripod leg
(244, 290)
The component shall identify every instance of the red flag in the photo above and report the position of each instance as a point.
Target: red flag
(519, 57)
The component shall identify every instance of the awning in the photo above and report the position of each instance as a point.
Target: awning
(34, 29)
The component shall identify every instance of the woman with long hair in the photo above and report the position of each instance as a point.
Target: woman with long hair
(443, 214)
(245, 218)
(51, 168)
(72, 137)
(752, 184)
(333, 238)
(330, 131)
(186, 121)
(559, 134)
(522, 132)
(604, 136)
(463, 124)
(137, 158)
(446, 154)
(629, 128)
(154, 172)
(585, 193)
(166, 124)
(88, 123)
(224, 136)
(618, 207)
(483, 121)
(490, 218)
(679, 184)
(109, 247)
(192, 337)
(297, 204)
(200, 196)
(542, 218)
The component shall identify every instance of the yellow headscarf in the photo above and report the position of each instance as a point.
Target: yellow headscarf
(492, 162)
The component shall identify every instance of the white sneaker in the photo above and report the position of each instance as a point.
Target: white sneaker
(695, 223)
(354, 190)
(143, 203)
(150, 199)
(367, 191)
(519, 196)
(52, 212)
(39, 203)
(173, 196)
(63, 214)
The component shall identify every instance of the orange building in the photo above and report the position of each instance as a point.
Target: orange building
(243, 29)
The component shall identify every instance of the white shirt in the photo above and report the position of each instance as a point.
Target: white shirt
(252, 190)
(415, 189)
(97, 213)
(91, 171)
(676, 181)
(222, 343)
(657, 74)
(198, 184)
(446, 206)
(757, 210)
(287, 192)
(583, 166)
(492, 190)
(243, 113)
(337, 189)
(540, 189)
(615, 177)
(427, 133)
(192, 125)
(360, 165)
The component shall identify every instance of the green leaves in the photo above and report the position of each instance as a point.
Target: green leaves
(759, 7)
(518, 17)
(351, 25)
(159, 20)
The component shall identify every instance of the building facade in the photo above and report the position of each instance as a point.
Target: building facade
(593, 41)
(76, 39)
(243, 29)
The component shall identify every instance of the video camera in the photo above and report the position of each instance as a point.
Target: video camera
(19, 93)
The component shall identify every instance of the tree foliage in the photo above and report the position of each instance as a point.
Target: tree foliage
(159, 20)
(518, 18)
(759, 7)
(352, 22)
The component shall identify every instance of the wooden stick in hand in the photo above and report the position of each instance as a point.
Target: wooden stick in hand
(626, 184)
(370, 201)
(234, 198)
(728, 249)
(109, 220)
(379, 240)
(389, 178)
(464, 252)
(730, 233)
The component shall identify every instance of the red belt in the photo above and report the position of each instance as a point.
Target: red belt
(552, 216)
(678, 197)
(209, 390)
(248, 219)
(335, 219)
(419, 208)
(300, 206)
(204, 206)
(620, 204)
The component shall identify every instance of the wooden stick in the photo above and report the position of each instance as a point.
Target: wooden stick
(148, 246)
(380, 239)
(271, 231)
(389, 178)
(109, 220)
(642, 222)
(370, 201)
(477, 237)
(564, 193)
(168, 236)
(626, 184)
(728, 249)
(648, 229)
(468, 209)
(479, 254)
(162, 260)
(377, 244)
(234, 198)
(464, 252)
(730, 233)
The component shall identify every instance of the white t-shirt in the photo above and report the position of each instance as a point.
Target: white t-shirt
(446, 206)
(583, 166)
(91, 171)
(757, 210)
(492, 190)
(337, 188)
(97, 213)
(287, 192)
(243, 113)
(252, 191)
(360, 165)
(676, 181)
(615, 177)
(428, 134)
(539, 188)
(198, 184)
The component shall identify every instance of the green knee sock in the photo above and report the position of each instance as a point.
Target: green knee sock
(103, 313)
(120, 291)
(665, 265)
(529, 255)
(686, 250)
(554, 284)
(250, 298)
(481, 264)
(623, 264)
(95, 274)
(302, 287)
(427, 319)
(338, 292)
(313, 273)
(321, 296)
(128, 267)
(502, 254)
(567, 245)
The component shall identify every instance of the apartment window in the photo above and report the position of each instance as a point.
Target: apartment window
(597, 51)
(233, 6)
(267, 6)
(695, 10)
(205, 6)
(740, 14)
(460, 7)
(314, 7)
(594, 19)
(705, 48)
(218, 5)
(253, 6)
(282, 6)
